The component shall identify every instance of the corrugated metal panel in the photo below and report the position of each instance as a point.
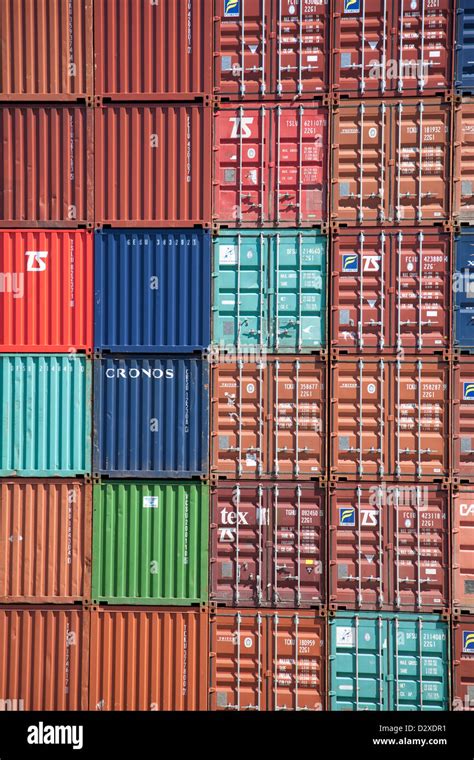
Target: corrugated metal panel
(45, 541)
(152, 50)
(45, 403)
(142, 659)
(151, 417)
(270, 290)
(150, 543)
(463, 549)
(152, 291)
(47, 175)
(46, 50)
(152, 165)
(267, 660)
(46, 290)
(463, 664)
(383, 661)
(463, 290)
(465, 45)
(463, 419)
(44, 658)
(463, 170)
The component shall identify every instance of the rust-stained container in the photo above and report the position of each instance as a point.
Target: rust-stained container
(389, 547)
(45, 541)
(391, 162)
(390, 290)
(47, 166)
(46, 50)
(147, 50)
(148, 659)
(463, 420)
(271, 48)
(463, 171)
(399, 48)
(270, 165)
(268, 418)
(45, 658)
(463, 663)
(152, 165)
(390, 418)
(267, 660)
(46, 282)
(268, 544)
(463, 549)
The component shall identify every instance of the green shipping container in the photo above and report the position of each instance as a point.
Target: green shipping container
(385, 661)
(269, 290)
(45, 410)
(150, 543)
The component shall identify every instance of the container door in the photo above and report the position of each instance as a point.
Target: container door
(465, 45)
(463, 418)
(463, 665)
(464, 290)
(463, 550)
(463, 173)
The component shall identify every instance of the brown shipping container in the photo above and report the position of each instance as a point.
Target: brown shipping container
(391, 162)
(389, 418)
(402, 47)
(463, 419)
(152, 165)
(46, 50)
(463, 173)
(271, 48)
(148, 659)
(389, 547)
(44, 658)
(45, 541)
(268, 544)
(267, 660)
(47, 167)
(268, 418)
(463, 549)
(390, 290)
(463, 663)
(153, 50)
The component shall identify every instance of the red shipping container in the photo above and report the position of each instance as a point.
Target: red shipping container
(389, 547)
(381, 48)
(463, 172)
(152, 165)
(267, 660)
(391, 290)
(268, 544)
(390, 419)
(271, 48)
(46, 291)
(463, 663)
(174, 40)
(268, 419)
(463, 419)
(270, 165)
(463, 549)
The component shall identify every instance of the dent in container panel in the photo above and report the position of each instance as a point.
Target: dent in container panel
(463, 549)
(270, 165)
(391, 162)
(463, 663)
(174, 39)
(463, 420)
(267, 660)
(463, 173)
(268, 544)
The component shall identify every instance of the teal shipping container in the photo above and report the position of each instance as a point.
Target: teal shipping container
(385, 661)
(269, 290)
(45, 405)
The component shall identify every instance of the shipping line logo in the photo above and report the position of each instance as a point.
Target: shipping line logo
(347, 516)
(232, 7)
(352, 6)
(468, 641)
(14, 282)
(468, 391)
(350, 262)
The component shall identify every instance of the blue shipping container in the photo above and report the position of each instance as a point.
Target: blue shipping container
(152, 291)
(151, 417)
(464, 77)
(385, 661)
(464, 290)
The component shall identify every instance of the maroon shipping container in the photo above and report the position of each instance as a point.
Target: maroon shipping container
(270, 165)
(268, 418)
(402, 47)
(152, 165)
(463, 663)
(47, 166)
(391, 162)
(271, 48)
(463, 549)
(148, 50)
(390, 291)
(267, 660)
(389, 547)
(463, 171)
(268, 544)
(463, 419)
(389, 418)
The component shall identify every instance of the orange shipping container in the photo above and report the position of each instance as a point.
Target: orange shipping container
(463, 172)
(463, 549)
